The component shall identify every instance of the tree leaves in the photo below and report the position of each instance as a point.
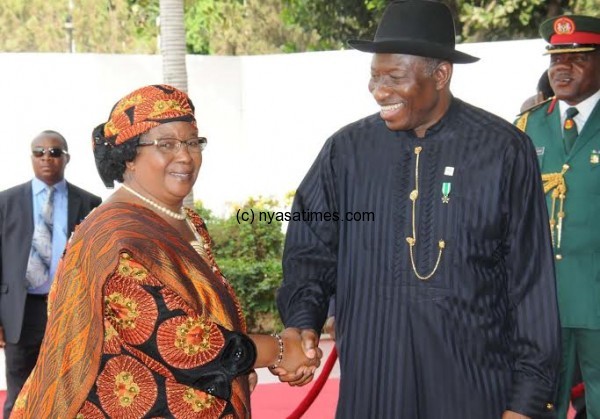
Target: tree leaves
(115, 26)
(233, 27)
(236, 27)
(249, 254)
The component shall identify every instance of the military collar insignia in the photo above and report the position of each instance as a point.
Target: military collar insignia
(552, 105)
(595, 157)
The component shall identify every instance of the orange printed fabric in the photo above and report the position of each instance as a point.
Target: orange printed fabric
(138, 325)
(146, 108)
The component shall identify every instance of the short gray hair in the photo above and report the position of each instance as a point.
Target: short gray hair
(431, 64)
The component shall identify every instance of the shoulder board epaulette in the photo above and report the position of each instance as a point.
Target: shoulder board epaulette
(536, 106)
(521, 121)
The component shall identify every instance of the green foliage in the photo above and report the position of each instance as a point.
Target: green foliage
(336, 21)
(234, 27)
(585, 7)
(205, 213)
(249, 254)
(499, 20)
(32, 25)
(495, 20)
(114, 26)
(476, 20)
(255, 284)
(244, 27)
(200, 18)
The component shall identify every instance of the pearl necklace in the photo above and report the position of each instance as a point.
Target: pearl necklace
(181, 216)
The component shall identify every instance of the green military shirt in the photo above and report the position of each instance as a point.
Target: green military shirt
(577, 243)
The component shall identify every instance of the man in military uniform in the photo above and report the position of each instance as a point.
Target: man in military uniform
(566, 133)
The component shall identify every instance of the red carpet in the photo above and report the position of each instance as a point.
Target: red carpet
(277, 401)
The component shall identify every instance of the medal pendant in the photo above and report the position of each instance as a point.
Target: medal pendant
(446, 187)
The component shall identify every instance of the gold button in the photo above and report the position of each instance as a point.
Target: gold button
(558, 257)
(549, 406)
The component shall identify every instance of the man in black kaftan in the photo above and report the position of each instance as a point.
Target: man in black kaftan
(445, 298)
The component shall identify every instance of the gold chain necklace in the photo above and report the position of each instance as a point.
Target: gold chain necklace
(412, 241)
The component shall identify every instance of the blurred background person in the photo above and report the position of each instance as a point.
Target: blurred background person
(36, 218)
(544, 92)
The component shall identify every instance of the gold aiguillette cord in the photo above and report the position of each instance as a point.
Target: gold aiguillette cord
(555, 182)
(412, 241)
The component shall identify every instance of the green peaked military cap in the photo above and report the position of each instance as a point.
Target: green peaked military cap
(571, 33)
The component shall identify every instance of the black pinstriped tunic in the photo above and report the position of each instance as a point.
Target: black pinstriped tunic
(482, 334)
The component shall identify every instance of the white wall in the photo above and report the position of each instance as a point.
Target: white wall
(266, 117)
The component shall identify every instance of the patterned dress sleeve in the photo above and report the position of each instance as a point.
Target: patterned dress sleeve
(160, 357)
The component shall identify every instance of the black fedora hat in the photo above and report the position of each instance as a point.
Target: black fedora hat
(415, 27)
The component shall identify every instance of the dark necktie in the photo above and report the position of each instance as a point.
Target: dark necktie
(40, 258)
(570, 129)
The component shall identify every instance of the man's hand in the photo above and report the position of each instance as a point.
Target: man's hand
(509, 414)
(2, 341)
(330, 327)
(309, 344)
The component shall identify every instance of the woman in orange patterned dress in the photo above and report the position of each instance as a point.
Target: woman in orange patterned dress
(142, 324)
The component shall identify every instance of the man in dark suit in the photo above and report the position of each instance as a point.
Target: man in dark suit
(36, 219)
(445, 297)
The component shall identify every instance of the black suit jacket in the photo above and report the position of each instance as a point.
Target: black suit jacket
(16, 233)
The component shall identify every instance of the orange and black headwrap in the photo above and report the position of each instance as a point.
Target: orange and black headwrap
(132, 116)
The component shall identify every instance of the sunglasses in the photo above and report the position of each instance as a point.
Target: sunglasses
(52, 152)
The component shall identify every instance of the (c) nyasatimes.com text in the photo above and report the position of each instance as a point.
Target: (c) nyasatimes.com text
(249, 215)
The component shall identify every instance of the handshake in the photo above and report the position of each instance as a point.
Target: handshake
(299, 356)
